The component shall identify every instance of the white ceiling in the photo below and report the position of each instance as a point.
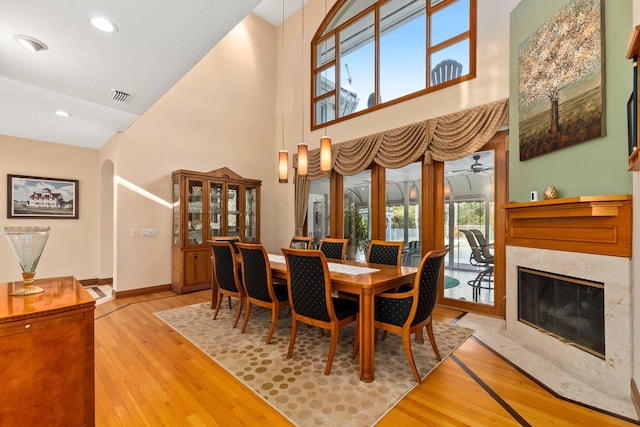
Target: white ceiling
(157, 43)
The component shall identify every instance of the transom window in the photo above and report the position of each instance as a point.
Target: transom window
(386, 51)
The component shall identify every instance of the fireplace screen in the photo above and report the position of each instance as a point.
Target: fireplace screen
(568, 308)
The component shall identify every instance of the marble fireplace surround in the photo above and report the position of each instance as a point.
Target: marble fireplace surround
(583, 237)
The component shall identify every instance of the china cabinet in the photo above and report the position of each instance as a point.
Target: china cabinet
(206, 205)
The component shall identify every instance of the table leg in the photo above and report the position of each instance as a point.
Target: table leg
(367, 332)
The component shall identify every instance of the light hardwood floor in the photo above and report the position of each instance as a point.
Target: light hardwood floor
(148, 375)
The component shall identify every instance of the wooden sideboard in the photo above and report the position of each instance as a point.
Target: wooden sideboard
(47, 355)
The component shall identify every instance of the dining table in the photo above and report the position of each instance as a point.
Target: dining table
(365, 281)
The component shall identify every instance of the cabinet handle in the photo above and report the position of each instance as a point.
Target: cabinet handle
(27, 326)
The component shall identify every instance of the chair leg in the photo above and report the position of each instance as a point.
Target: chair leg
(292, 340)
(433, 340)
(332, 349)
(406, 341)
(229, 303)
(275, 311)
(239, 310)
(218, 304)
(247, 313)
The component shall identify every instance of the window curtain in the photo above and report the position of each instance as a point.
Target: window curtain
(443, 138)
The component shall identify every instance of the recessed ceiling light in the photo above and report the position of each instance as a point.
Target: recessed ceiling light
(62, 113)
(104, 24)
(29, 43)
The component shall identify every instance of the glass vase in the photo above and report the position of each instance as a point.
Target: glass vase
(27, 244)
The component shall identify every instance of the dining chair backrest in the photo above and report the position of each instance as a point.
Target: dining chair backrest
(334, 248)
(309, 284)
(301, 242)
(384, 252)
(256, 271)
(231, 239)
(426, 284)
(225, 272)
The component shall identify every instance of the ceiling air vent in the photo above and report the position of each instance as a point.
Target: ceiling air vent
(119, 96)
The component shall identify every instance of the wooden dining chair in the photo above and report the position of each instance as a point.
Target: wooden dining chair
(301, 242)
(309, 287)
(225, 277)
(334, 248)
(385, 252)
(259, 286)
(407, 312)
(231, 239)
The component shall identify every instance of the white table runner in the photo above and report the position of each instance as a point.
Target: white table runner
(335, 267)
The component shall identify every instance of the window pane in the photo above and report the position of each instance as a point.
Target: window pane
(357, 64)
(325, 110)
(402, 209)
(450, 22)
(325, 81)
(325, 51)
(348, 11)
(402, 48)
(458, 52)
(469, 205)
(318, 219)
(357, 196)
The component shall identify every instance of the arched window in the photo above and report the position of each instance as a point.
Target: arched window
(386, 51)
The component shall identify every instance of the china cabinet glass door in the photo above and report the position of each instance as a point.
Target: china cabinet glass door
(233, 210)
(195, 214)
(215, 209)
(250, 216)
(176, 211)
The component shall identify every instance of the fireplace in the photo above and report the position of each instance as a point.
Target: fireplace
(568, 308)
(576, 312)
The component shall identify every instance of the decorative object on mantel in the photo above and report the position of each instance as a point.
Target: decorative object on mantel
(560, 81)
(550, 193)
(27, 244)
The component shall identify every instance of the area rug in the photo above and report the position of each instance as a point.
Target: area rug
(297, 387)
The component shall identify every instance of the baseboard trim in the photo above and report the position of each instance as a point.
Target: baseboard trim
(96, 281)
(635, 396)
(141, 291)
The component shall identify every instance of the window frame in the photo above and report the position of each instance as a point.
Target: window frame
(319, 38)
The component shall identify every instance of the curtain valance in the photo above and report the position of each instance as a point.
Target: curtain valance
(443, 138)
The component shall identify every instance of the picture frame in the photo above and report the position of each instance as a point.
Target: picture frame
(38, 197)
(561, 81)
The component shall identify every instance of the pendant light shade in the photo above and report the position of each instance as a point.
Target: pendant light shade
(283, 167)
(413, 193)
(303, 160)
(325, 155)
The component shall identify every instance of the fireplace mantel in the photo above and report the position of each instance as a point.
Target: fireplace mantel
(598, 225)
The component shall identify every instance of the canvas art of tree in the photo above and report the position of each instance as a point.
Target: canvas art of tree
(560, 81)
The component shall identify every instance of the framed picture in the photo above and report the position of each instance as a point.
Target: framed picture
(561, 81)
(35, 197)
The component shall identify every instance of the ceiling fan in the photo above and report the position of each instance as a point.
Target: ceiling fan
(475, 167)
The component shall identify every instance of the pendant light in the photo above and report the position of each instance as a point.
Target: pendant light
(413, 193)
(283, 155)
(325, 141)
(303, 161)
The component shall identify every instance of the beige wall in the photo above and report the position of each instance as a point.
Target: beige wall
(220, 114)
(72, 247)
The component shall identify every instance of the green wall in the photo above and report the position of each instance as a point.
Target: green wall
(595, 167)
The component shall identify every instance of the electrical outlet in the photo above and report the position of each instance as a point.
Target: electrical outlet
(135, 232)
(149, 232)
